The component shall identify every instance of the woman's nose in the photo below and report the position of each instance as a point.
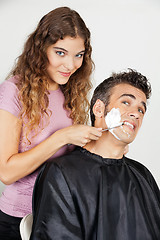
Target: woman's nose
(69, 64)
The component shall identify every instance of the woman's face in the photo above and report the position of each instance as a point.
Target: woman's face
(64, 57)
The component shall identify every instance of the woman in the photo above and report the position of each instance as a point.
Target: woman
(43, 109)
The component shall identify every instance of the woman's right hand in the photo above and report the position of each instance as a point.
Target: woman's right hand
(15, 165)
(80, 134)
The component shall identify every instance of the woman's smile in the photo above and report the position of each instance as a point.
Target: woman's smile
(65, 74)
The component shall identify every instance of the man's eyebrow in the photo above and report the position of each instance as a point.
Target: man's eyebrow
(133, 97)
(128, 95)
(63, 49)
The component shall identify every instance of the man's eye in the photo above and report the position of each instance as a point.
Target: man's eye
(125, 102)
(60, 53)
(141, 110)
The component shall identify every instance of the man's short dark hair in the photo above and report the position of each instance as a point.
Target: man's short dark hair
(131, 77)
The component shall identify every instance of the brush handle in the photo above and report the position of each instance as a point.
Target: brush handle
(107, 129)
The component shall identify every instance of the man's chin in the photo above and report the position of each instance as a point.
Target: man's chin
(125, 140)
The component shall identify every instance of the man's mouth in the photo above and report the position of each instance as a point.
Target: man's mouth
(130, 125)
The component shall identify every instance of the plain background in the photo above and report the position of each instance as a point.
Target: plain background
(125, 34)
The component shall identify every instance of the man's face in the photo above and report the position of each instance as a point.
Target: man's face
(131, 103)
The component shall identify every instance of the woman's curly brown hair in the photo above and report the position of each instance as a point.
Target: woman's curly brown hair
(32, 74)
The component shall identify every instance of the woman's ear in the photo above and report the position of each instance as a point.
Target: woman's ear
(98, 109)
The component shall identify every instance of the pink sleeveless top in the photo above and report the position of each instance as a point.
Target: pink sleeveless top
(16, 199)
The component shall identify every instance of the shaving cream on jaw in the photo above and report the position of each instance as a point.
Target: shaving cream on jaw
(113, 119)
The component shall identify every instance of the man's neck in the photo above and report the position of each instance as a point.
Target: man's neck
(107, 147)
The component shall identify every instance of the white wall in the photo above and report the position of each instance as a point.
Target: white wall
(125, 33)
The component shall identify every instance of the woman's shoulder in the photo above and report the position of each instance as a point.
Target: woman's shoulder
(10, 83)
(9, 97)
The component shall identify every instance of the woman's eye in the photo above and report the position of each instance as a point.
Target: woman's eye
(60, 53)
(79, 55)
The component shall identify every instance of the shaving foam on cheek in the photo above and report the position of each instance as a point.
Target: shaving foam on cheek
(112, 119)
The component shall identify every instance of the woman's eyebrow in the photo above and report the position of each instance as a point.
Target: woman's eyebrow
(63, 49)
(83, 51)
(59, 48)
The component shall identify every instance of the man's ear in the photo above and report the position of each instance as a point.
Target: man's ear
(98, 109)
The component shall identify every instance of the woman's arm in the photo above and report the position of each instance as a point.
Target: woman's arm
(14, 165)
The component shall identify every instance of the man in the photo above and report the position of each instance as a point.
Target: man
(96, 192)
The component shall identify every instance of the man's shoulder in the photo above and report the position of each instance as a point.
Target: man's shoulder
(134, 163)
(137, 166)
(73, 159)
(140, 169)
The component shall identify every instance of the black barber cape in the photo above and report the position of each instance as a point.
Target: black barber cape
(84, 196)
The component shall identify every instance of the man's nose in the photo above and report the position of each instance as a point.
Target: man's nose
(134, 113)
